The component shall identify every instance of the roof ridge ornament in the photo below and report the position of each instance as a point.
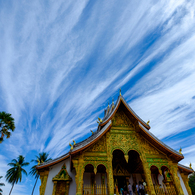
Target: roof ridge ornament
(112, 102)
(180, 150)
(190, 165)
(74, 142)
(148, 122)
(100, 119)
(92, 132)
(71, 146)
(120, 92)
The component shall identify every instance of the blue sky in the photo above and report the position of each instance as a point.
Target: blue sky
(62, 61)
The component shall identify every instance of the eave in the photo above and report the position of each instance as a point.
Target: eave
(53, 162)
(78, 147)
(185, 169)
(159, 144)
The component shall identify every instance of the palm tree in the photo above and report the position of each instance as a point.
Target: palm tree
(1, 184)
(14, 174)
(6, 124)
(41, 158)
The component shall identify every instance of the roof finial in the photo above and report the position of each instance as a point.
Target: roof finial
(180, 150)
(100, 119)
(92, 132)
(112, 102)
(148, 122)
(108, 104)
(190, 166)
(74, 142)
(71, 146)
(120, 92)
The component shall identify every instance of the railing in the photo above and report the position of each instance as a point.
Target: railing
(95, 190)
(168, 189)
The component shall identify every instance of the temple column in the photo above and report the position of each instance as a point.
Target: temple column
(176, 178)
(110, 179)
(148, 177)
(43, 177)
(78, 164)
(185, 180)
(54, 187)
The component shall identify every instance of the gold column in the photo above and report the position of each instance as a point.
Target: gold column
(110, 177)
(185, 180)
(54, 188)
(176, 180)
(109, 170)
(148, 176)
(43, 177)
(67, 187)
(78, 164)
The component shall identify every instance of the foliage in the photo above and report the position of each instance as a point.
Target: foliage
(6, 125)
(1, 184)
(14, 174)
(192, 182)
(41, 158)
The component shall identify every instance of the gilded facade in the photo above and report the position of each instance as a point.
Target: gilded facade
(121, 151)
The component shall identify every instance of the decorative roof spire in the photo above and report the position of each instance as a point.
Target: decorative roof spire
(190, 166)
(180, 150)
(112, 102)
(120, 92)
(74, 142)
(100, 119)
(148, 122)
(92, 132)
(71, 146)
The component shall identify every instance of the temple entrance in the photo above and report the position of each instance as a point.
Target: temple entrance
(127, 169)
(122, 181)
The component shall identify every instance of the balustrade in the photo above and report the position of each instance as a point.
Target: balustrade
(95, 190)
(168, 189)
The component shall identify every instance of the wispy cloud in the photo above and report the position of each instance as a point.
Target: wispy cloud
(60, 62)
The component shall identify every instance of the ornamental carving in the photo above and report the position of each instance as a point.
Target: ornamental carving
(125, 142)
(120, 171)
(61, 182)
(99, 146)
(121, 120)
(62, 175)
(148, 148)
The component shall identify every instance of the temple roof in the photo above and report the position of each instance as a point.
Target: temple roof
(105, 126)
(185, 168)
(109, 115)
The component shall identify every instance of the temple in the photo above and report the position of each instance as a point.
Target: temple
(121, 151)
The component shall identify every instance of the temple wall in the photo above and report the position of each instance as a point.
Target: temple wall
(182, 184)
(54, 170)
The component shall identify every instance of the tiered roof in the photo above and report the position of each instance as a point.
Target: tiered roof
(105, 125)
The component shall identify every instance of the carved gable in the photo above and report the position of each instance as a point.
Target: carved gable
(121, 120)
(148, 148)
(62, 175)
(99, 146)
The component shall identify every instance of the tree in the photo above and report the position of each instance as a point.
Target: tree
(14, 174)
(1, 184)
(41, 158)
(6, 124)
(192, 182)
